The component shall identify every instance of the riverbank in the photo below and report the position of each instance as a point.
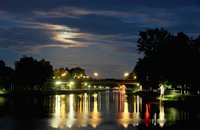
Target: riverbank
(173, 97)
(50, 92)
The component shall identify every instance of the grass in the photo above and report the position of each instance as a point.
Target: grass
(172, 97)
(168, 97)
(3, 92)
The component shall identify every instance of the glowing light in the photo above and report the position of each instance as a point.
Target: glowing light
(71, 83)
(126, 74)
(63, 75)
(58, 83)
(122, 88)
(66, 36)
(124, 119)
(147, 115)
(71, 115)
(161, 120)
(55, 122)
(96, 74)
(95, 114)
(162, 91)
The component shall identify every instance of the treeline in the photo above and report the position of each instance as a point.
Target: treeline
(169, 59)
(28, 74)
(31, 74)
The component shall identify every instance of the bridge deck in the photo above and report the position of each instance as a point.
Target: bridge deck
(110, 81)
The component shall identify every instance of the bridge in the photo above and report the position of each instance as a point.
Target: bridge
(111, 82)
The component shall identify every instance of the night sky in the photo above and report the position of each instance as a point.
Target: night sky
(96, 35)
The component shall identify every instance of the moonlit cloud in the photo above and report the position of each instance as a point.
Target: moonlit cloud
(30, 37)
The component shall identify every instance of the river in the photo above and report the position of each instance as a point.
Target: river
(105, 110)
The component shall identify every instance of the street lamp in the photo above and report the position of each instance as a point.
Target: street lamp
(96, 74)
(71, 84)
(126, 74)
(58, 83)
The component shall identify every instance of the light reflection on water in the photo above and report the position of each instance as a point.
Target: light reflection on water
(89, 110)
(76, 110)
(93, 110)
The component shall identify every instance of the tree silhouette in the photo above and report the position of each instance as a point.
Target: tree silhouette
(31, 74)
(6, 75)
(76, 72)
(151, 40)
(173, 59)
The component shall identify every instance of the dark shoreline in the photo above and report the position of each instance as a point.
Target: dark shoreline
(50, 92)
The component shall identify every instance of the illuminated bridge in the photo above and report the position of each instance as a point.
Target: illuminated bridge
(111, 82)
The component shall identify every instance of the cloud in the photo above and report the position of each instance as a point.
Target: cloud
(115, 27)
(30, 37)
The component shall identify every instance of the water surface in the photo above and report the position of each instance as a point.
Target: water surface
(95, 111)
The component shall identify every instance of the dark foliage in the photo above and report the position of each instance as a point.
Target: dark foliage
(31, 74)
(6, 75)
(174, 59)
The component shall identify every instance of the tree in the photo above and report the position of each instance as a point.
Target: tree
(148, 69)
(31, 74)
(150, 41)
(46, 72)
(147, 72)
(173, 59)
(2, 64)
(77, 72)
(6, 76)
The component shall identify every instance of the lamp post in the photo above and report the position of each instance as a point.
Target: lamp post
(126, 74)
(96, 74)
